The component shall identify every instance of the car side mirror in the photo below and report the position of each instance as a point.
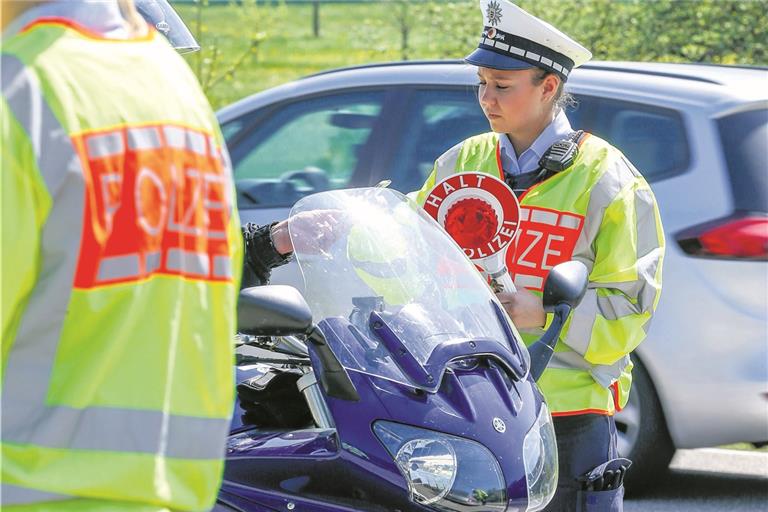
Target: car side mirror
(273, 310)
(565, 284)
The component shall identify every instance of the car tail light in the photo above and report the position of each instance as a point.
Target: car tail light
(736, 237)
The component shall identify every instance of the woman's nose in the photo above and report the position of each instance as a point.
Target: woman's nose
(485, 96)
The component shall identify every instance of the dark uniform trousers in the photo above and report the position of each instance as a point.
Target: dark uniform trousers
(584, 442)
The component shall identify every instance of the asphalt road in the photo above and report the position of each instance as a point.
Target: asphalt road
(709, 480)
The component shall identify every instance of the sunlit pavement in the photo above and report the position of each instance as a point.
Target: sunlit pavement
(709, 480)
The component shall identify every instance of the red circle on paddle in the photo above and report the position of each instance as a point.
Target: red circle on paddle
(480, 212)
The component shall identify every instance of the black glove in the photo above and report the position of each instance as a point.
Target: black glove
(260, 256)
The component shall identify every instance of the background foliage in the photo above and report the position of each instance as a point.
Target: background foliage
(249, 45)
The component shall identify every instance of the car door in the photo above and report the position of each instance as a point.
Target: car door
(435, 118)
(289, 150)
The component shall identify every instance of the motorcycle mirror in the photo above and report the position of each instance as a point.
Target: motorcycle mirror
(273, 310)
(564, 288)
(565, 284)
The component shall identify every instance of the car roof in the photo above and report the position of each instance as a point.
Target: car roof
(716, 88)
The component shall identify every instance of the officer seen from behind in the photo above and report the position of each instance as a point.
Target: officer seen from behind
(121, 260)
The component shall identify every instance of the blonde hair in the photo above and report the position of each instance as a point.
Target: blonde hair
(136, 24)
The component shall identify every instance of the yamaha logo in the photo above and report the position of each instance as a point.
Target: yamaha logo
(499, 425)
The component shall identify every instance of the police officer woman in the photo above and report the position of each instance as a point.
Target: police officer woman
(580, 199)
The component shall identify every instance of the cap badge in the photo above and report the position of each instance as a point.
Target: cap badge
(493, 13)
(163, 27)
(491, 33)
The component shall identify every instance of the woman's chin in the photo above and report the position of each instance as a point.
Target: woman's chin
(497, 124)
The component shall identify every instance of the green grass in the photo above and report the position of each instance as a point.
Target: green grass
(744, 446)
(716, 31)
(350, 34)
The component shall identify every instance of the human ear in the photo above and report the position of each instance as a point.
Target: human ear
(549, 87)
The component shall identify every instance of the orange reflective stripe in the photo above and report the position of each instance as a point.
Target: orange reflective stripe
(498, 161)
(615, 393)
(545, 238)
(156, 202)
(583, 411)
(83, 31)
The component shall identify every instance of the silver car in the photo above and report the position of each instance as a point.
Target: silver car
(699, 134)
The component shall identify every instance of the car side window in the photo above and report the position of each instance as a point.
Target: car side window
(304, 147)
(438, 120)
(652, 138)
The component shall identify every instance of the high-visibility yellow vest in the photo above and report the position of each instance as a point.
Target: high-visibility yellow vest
(121, 260)
(599, 211)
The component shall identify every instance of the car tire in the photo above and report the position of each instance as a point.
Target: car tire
(642, 434)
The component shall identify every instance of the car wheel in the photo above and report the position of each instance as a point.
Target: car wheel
(642, 434)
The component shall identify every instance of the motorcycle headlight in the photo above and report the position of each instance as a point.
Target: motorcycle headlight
(444, 472)
(540, 459)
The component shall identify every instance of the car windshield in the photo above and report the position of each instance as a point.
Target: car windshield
(372, 257)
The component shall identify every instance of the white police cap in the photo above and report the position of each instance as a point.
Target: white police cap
(514, 39)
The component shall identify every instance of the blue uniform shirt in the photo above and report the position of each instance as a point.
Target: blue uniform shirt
(558, 129)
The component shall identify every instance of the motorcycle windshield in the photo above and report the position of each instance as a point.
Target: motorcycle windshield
(389, 288)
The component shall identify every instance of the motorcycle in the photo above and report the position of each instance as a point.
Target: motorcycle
(411, 391)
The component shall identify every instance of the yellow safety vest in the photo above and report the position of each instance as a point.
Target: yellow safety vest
(121, 260)
(599, 211)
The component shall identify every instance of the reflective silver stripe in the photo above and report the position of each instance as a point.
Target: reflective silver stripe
(212, 149)
(446, 165)
(188, 262)
(569, 360)
(525, 214)
(647, 234)
(605, 375)
(546, 61)
(119, 267)
(104, 145)
(175, 137)
(569, 221)
(608, 186)
(31, 356)
(649, 251)
(15, 495)
(613, 307)
(152, 262)
(526, 281)
(501, 45)
(196, 142)
(51, 144)
(544, 217)
(516, 51)
(557, 66)
(111, 429)
(582, 319)
(222, 266)
(144, 138)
